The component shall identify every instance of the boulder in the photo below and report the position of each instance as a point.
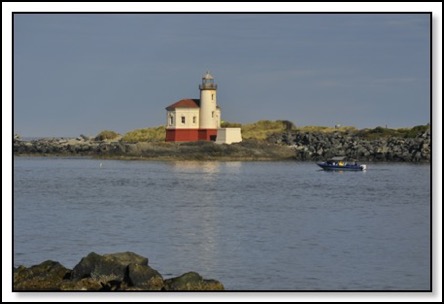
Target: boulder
(107, 267)
(82, 284)
(84, 137)
(192, 281)
(144, 277)
(45, 276)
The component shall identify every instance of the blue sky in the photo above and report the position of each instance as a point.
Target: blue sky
(82, 73)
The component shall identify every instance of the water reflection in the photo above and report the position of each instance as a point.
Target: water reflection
(233, 166)
(196, 166)
(198, 218)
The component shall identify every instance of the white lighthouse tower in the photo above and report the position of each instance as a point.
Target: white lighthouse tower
(209, 116)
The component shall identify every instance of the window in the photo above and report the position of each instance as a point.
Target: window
(212, 114)
(194, 119)
(212, 96)
(171, 120)
(183, 119)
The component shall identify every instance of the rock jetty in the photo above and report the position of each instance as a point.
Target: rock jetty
(248, 150)
(122, 271)
(362, 145)
(314, 146)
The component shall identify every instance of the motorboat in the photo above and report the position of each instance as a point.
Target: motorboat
(339, 164)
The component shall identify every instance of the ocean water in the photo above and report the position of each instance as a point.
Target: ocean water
(250, 225)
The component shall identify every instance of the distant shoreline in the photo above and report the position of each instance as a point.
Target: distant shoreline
(299, 146)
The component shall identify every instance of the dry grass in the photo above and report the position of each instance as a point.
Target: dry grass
(322, 129)
(156, 134)
(261, 129)
(107, 134)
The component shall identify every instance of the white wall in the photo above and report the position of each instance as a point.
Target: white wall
(228, 135)
(188, 114)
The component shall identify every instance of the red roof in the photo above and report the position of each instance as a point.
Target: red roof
(184, 103)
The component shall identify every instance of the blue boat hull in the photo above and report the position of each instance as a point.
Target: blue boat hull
(346, 167)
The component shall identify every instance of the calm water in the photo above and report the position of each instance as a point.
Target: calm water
(251, 225)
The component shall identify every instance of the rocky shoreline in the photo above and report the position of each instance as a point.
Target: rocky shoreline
(314, 146)
(296, 145)
(124, 271)
(245, 151)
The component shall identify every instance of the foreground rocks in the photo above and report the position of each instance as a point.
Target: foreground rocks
(108, 272)
(45, 276)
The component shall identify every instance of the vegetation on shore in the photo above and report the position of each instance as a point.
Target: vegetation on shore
(263, 129)
(380, 132)
(156, 134)
(107, 135)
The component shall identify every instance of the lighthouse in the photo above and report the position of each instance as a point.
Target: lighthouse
(199, 119)
(209, 112)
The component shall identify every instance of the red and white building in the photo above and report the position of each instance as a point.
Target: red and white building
(199, 119)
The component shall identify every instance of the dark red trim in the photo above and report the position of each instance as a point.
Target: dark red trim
(190, 134)
(182, 135)
(207, 134)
